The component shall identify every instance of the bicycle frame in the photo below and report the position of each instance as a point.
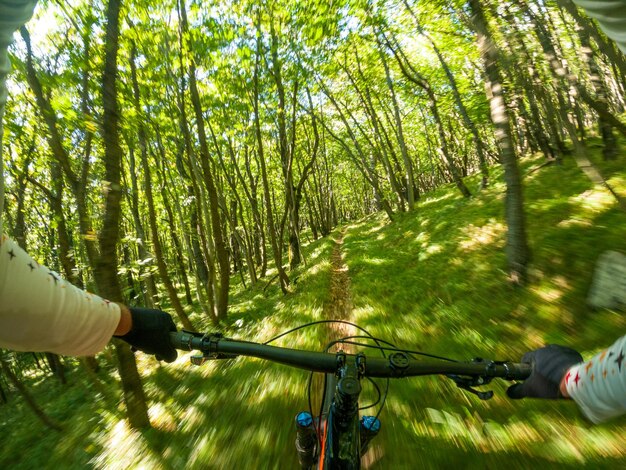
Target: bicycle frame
(343, 444)
(336, 442)
(341, 441)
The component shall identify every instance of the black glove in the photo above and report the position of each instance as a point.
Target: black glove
(550, 364)
(150, 333)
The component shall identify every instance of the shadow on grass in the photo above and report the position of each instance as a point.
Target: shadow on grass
(237, 414)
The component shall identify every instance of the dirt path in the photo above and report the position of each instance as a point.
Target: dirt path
(339, 305)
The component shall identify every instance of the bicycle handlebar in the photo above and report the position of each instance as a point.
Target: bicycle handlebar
(397, 364)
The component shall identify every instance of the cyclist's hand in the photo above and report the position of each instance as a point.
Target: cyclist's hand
(550, 364)
(150, 333)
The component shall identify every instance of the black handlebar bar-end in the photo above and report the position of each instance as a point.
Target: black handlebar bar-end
(521, 371)
(183, 340)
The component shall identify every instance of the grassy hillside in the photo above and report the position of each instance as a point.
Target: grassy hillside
(433, 280)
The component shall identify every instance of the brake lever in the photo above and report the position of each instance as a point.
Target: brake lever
(200, 359)
(463, 384)
(466, 383)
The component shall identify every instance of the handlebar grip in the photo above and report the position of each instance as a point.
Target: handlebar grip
(185, 340)
(519, 371)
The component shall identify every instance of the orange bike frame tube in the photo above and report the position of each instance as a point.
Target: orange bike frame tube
(322, 455)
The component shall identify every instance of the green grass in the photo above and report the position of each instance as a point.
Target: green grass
(436, 280)
(432, 280)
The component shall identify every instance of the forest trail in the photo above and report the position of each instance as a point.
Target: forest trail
(339, 304)
(339, 307)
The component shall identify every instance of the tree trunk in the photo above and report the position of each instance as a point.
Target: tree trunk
(609, 151)
(154, 229)
(221, 303)
(106, 271)
(286, 151)
(534, 89)
(65, 249)
(469, 123)
(19, 229)
(76, 183)
(408, 165)
(180, 260)
(412, 75)
(105, 262)
(271, 227)
(238, 242)
(150, 295)
(56, 366)
(384, 144)
(204, 276)
(365, 165)
(607, 47)
(28, 398)
(517, 250)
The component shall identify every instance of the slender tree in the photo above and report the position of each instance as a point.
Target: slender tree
(517, 250)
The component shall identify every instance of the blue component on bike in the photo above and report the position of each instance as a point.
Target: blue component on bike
(304, 419)
(371, 423)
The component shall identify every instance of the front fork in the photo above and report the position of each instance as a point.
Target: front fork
(306, 438)
(348, 437)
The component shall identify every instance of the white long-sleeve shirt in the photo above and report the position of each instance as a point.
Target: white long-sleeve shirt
(598, 386)
(611, 15)
(38, 310)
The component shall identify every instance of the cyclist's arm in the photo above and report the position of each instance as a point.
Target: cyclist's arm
(39, 311)
(598, 386)
(611, 15)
